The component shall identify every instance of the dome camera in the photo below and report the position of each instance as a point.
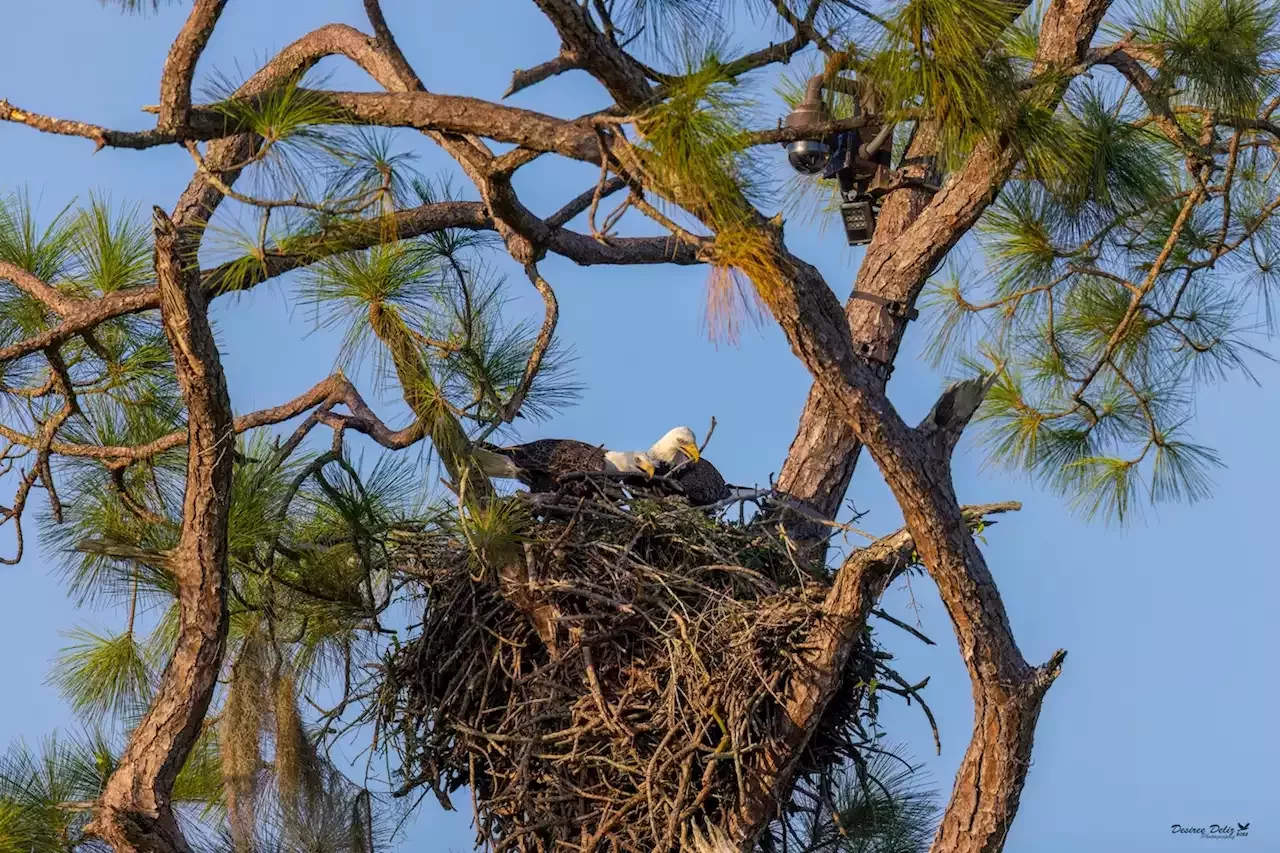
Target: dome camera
(808, 156)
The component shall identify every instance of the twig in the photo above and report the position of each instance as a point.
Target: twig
(904, 626)
(710, 432)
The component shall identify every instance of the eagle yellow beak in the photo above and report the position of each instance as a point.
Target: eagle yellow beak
(691, 450)
(646, 466)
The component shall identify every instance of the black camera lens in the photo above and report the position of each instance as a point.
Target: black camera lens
(808, 156)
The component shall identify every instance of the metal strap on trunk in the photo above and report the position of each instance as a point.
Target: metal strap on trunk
(893, 306)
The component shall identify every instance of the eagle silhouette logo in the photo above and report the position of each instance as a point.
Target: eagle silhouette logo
(1244, 827)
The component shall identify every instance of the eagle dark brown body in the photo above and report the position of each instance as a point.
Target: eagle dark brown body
(700, 482)
(539, 464)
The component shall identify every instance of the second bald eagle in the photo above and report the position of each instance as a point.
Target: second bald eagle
(678, 456)
(540, 464)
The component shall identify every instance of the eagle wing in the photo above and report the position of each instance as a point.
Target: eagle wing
(540, 462)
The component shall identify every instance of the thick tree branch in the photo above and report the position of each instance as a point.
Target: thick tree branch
(335, 390)
(180, 65)
(859, 584)
(84, 315)
(451, 114)
(52, 298)
(387, 44)
(101, 136)
(621, 75)
(225, 156)
(135, 812)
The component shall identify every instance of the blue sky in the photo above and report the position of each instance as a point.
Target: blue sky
(1164, 712)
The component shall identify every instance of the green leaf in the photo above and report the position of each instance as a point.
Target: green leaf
(112, 248)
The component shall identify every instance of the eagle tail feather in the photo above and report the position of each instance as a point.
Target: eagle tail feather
(492, 463)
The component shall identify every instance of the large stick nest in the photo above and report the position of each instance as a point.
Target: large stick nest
(676, 635)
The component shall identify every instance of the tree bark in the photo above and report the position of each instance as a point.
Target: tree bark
(915, 463)
(1007, 692)
(135, 812)
(847, 408)
(180, 64)
(862, 579)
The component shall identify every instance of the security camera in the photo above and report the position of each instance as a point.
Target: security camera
(810, 154)
(857, 158)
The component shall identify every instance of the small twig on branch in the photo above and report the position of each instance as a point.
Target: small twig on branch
(101, 136)
(524, 78)
(912, 691)
(710, 432)
(585, 200)
(540, 345)
(904, 626)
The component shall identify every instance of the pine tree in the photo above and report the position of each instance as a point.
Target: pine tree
(1115, 165)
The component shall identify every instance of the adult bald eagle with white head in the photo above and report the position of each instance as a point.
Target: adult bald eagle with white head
(677, 453)
(540, 464)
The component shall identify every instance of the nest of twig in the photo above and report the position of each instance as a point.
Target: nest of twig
(662, 696)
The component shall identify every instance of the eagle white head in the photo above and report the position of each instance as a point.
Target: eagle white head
(679, 442)
(628, 462)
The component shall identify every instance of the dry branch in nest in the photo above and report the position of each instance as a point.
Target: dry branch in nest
(676, 637)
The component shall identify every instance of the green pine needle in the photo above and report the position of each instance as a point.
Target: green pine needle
(1215, 51)
(102, 674)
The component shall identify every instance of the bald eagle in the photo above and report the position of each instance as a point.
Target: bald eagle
(540, 464)
(676, 446)
(678, 455)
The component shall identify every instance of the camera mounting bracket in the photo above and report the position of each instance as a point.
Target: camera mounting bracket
(875, 356)
(892, 307)
(880, 368)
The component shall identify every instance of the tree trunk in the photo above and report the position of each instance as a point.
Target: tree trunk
(824, 452)
(135, 812)
(1007, 692)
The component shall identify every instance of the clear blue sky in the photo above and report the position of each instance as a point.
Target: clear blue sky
(1161, 714)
